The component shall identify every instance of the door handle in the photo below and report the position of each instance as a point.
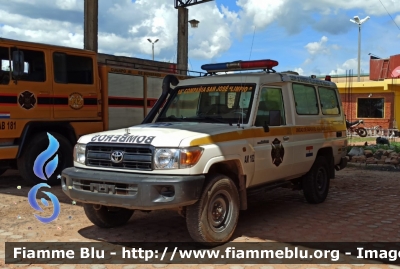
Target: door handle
(286, 138)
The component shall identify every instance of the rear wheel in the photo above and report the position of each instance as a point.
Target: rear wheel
(213, 218)
(105, 217)
(37, 145)
(362, 132)
(316, 182)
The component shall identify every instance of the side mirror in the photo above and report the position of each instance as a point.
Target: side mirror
(274, 117)
(18, 63)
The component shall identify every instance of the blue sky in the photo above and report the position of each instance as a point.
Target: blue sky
(308, 36)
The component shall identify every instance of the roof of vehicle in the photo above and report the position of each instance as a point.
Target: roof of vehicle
(255, 77)
(44, 46)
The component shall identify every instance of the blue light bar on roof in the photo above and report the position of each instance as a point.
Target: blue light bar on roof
(240, 65)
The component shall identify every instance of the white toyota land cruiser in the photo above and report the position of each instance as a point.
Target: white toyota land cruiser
(208, 144)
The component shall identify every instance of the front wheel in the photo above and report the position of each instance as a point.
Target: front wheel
(316, 182)
(105, 217)
(362, 132)
(213, 218)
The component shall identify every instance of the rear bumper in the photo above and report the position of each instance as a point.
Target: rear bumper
(342, 164)
(131, 190)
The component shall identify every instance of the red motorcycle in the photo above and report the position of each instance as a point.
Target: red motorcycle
(353, 127)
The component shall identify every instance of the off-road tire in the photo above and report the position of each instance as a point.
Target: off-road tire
(316, 181)
(362, 132)
(213, 218)
(37, 145)
(105, 218)
(2, 171)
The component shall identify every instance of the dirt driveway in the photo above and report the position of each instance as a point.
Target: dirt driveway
(363, 206)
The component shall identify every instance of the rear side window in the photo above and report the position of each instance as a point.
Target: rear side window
(329, 101)
(305, 99)
(72, 69)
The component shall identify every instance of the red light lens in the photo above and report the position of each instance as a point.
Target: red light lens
(328, 78)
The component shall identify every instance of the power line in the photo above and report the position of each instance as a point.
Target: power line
(389, 15)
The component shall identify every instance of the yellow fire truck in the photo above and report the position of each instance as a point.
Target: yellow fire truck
(67, 92)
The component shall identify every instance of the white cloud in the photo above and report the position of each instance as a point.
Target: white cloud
(69, 5)
(124, 26)
(299, 70)
(318, 47)
(346, 67)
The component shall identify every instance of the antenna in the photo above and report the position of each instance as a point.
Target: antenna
(251, 50)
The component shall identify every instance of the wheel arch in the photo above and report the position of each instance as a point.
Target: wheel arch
(234, 170)
(63, 128)
(327, 153)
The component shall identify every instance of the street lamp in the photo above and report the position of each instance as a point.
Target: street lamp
(152, 44)
(359, 22)
(194, 23)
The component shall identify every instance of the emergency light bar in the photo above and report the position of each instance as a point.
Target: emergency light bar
(240, 65)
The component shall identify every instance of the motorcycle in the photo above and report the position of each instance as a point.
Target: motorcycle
(353, 127)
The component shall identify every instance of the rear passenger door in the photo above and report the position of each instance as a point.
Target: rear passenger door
(273, 149)
(309, 134)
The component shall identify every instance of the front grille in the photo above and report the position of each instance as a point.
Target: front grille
(135, 157)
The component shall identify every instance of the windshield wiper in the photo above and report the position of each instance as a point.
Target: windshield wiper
(214, 119)
(170, 118)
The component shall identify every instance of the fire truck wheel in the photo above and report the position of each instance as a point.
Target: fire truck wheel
(316, 182)
(2, 171)
(37, 145)
(213, 218)
(105, 217)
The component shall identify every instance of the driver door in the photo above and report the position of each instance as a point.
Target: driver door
(272, 148)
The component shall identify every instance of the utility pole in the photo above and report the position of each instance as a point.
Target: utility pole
(90, 35)
(183, 40)
(183, 32)
(359, 22)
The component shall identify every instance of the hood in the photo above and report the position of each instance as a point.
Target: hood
(165, 134)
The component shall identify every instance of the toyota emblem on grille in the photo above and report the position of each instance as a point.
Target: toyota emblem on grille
(117, 156)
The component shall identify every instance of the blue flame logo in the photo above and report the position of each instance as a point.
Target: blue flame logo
(40, 168)
(32, 201)
(44, 168)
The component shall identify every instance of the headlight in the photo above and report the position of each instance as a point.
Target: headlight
(79, 153)
(166, 158)
(176, 158)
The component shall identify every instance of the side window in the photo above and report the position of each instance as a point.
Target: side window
(329, 101)
(5, 66)
(270, 100)
(35, 65)
(72, 69)
(305, 99)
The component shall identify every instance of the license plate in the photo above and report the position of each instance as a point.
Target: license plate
(102, 188)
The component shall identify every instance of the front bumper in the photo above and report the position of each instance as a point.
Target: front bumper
(131, 190)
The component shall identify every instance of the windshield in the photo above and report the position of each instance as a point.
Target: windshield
(219, 103)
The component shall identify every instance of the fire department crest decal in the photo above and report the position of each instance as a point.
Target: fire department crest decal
(27, 100)
(75, 100)
(277, 152)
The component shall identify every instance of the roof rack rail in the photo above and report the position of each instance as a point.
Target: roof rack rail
(171, 69)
